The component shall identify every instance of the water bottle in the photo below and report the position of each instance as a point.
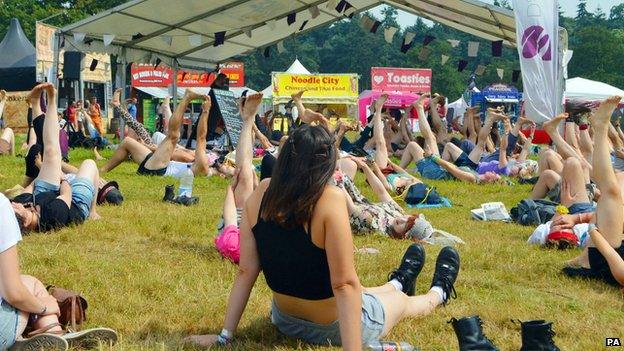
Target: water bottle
(389, 346)
(186, 182)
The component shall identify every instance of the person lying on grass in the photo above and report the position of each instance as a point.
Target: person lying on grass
(243, 184)
(24, 302)
(159, 162)
(295, 228)
(51, 202)
(603, 259)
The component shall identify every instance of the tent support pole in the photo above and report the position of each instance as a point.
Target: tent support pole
(175, 84)
(56, 60)
(122, 124)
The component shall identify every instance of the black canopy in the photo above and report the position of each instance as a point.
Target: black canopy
(17, 60)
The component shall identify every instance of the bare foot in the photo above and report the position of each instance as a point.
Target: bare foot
(251, 107)
(421, 100)
(35, 93)
(116, 101)
(297, 97)
(551, 126)
(190, 95)
(94, 216)
(97, 155)
(604, 112)
(381, 100)
(581, 261)
(50, 91)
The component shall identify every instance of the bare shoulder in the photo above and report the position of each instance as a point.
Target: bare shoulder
(331, 198)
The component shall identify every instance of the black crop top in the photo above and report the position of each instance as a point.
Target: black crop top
(291, 263)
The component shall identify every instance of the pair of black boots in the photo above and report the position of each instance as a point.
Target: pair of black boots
(180, 200)
(536, 335)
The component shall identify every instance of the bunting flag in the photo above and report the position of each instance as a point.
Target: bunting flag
(158, 62)
(389, 33)
(405, 47)
(291, 18)
(342, 6)
(137, 36)
(93, 65)
(375, 27)
(88, 41)
(331, 4)
(367, 22)
(428, 39)
(473, 48)
(445, 59)
(303, 25)
(462, 65)
(168, 39)
(267, 52)
(480, 70)
(500, 72)
(108, 39)
(314, 11)
(424, 53)
(409, 37)
(350, 11)
(271, 24)
(62, 42)
(497, 48)
(79, 37)
(515, 76)
(195, 40)
(280, 46)
(453, 42)
(219, 38)
(247, 31)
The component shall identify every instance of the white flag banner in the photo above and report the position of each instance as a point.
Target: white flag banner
(445, 58)
(195, 40)
(108, 39)
(473, 48)
(79, 37)
(453, 42)
(389, 33)
(167, 39)
(537, 26)
(314, 11)
(409, 36)
(500, 72)
(280, 46)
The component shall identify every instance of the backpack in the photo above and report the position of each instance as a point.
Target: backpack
(533, 212)
(421, 193)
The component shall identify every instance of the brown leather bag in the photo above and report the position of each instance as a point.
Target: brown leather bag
(72, 306)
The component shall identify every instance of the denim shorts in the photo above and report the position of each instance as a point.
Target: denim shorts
(373, 318)
(431, 170)
(8, 324)
(585, 207)
(464, 161)
(41, 186)
(83, 193)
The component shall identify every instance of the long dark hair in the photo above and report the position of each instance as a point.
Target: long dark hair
(305, 165)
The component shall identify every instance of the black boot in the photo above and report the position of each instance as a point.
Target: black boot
(169, 193)
(411, 265)
(470, 335)
(446, 271)
(538, 336)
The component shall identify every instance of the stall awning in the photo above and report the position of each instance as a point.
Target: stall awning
(162, 92)
(188, 32)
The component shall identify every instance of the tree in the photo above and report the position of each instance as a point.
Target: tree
(616, 18)
(596, 55)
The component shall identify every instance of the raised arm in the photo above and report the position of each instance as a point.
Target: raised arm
(425, 128)
(456, 172)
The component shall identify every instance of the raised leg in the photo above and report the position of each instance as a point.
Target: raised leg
(451, 152)
(51, 168)
(547, 181)
(550, 160)
(9, 137)
(413, 152)
(246, 174)
(200, 165)
(128, 147)
(88, 170)
(574, 180)
(381, 151)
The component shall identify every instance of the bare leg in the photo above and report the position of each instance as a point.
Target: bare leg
(245, 182)
(413, 152)
(547, 181)
(442, 135)
(89, 170)
(381, 151)
(50, 170)
(398, 306)
(451, 152)
(549, 159)
(586, 144)
(35, 287)
(161, 157)
(425, 128)
(484, 133)
(200, 165)
(128, 147)
(575, 181)
(229, 208)
(296, 98)
(9, 137)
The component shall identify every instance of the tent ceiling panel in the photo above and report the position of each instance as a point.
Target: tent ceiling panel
(266, 19)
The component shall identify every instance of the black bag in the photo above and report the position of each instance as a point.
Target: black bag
(421, 193)
(533, 212)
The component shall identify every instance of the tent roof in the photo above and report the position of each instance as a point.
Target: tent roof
(582, 88)
(15, 49)
(147, 29)
(295, 68)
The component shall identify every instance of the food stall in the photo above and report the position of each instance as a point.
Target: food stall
(396, 99)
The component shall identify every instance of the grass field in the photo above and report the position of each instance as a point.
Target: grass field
(150, 270)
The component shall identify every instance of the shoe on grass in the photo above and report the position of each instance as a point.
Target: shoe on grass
(446, 271)
(91, 338)
(411, 264)
(47, 342)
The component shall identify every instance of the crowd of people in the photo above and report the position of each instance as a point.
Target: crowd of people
(295, 220)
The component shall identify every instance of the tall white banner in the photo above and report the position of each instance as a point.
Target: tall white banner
(537, 25)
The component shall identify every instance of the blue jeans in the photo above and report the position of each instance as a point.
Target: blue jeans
(582, 208)
(8, 324)
(83, 193)
(41, 186)
(431, 170)
(373, 319)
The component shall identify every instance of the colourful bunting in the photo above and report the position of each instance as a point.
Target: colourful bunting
(389, 33)
(445, 58)
(462, 65)
(473, 48)
(219, 38)
(424, 53)
(428, 39)
(497, 48)
(291, 18)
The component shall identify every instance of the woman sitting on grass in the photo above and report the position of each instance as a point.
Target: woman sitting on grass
(24, 298)
(295, 228)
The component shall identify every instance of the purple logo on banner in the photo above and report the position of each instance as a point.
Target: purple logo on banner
(534, 41)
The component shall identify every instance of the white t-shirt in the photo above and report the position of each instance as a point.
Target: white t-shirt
(9, 233)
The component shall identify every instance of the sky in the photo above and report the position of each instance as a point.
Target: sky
(569, 7)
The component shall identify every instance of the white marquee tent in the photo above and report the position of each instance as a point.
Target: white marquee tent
(295, 68)
(581, 88)
(186, 34)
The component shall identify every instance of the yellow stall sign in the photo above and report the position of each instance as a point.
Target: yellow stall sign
(321, 88)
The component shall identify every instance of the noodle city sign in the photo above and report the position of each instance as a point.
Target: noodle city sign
(413, 80)
(328, 88)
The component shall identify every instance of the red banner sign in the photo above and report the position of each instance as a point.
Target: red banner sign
(414, 80)
(146, 75)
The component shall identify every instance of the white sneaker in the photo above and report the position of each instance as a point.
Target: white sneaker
(91, 338)
(40, 342)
